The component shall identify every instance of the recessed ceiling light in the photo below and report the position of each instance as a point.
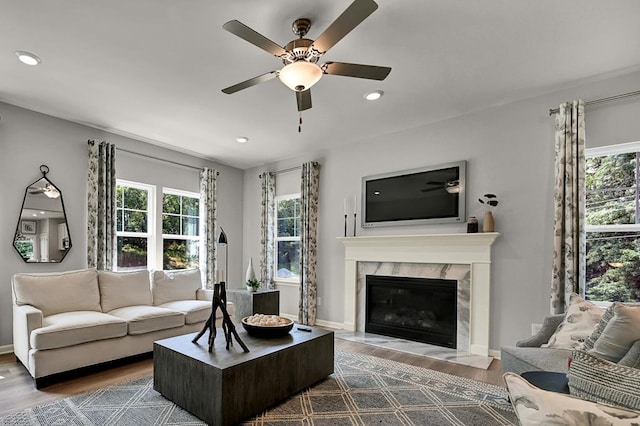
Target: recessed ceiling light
(28, 58)
(34, 214)
(376, 193)
(372, 96)
(242, 139)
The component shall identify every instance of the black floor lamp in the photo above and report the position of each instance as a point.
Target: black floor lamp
(222, 239)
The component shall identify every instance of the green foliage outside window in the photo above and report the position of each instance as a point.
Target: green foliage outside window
(613, 258)
(180, 217)
(288, 238)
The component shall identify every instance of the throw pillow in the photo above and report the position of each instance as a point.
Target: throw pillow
(619, 334)
(579, 322)
(535, 406)
(597, 331)
(599, 380)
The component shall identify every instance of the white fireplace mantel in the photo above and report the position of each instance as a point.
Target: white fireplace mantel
(468, 249)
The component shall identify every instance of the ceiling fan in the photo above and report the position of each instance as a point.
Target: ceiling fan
(49, 190)
(300, 56)
(451, 186)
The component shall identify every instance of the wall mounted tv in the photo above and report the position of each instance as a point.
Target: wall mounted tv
(434, 194)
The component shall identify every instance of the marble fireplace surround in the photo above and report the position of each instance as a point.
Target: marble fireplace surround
(462, 257)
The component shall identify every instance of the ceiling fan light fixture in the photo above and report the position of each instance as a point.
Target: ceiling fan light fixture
(373, 95)
(28, 58)
(453, 187)
(300, 75)
(51, 192)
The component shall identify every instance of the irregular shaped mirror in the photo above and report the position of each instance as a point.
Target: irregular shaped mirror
(42, 234)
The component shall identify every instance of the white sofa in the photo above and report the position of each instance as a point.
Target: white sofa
(68, 320)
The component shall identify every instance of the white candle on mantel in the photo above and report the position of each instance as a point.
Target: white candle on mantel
(355, 201)
(345, 206)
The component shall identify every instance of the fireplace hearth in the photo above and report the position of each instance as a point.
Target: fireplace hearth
(418, 309)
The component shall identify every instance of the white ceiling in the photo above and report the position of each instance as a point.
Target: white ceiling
(153, 69)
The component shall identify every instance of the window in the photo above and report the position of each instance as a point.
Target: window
(612, 223)
(180, 229)
(287, 239)
(134, 225)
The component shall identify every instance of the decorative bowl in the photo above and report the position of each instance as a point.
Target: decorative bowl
(266, 330)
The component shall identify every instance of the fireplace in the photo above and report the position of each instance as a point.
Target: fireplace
(418, 309)
(462, 257)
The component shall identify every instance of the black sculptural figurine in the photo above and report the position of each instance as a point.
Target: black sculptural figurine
(220, 301)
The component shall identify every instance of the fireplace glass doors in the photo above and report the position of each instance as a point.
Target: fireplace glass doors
(418, 309)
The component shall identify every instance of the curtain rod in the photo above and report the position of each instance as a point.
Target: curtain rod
(290, 169)
(598, 101)
(158, 158)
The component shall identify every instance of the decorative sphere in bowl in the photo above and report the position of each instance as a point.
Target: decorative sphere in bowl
(260, 325)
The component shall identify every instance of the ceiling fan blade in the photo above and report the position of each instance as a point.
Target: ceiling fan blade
(241, 30)
(371, 72)
(304, 100)
(251, 82)
(357, 12)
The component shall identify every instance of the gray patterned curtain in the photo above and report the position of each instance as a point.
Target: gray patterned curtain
(569, 206)
(208, 181)
(308, 239)
(101, 205)
(267, 229)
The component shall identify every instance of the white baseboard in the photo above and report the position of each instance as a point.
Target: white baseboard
(320, 323)
(494, 353)
(7, 349)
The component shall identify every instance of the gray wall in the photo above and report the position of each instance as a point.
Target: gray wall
(510, 152)
(29, 139)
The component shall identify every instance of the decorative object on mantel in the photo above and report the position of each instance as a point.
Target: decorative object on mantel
(472, 225)
(355, 209)
(488, 224)
(220, 301)
(250, 277)
(355, 215)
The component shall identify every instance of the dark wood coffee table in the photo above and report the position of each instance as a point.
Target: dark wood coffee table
(227, 386)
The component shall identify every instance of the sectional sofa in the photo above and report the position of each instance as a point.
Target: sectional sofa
(67, 320)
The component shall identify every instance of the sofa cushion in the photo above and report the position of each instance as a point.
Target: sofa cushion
(194, 310)
(620, 333)
(169, 286)
(145, 319)
(119, 289)
(56, 292)
(535, 406)
(518, 360)
(73, 328)
(579, 322)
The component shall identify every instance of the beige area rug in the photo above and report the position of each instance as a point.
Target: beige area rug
(364, 390)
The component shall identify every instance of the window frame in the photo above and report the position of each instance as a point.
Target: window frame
(151, 218)
(163, 236)
(603, 151)
(276, 238)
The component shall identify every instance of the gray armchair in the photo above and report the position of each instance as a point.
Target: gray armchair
(528, 355)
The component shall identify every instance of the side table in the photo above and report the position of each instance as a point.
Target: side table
(248, 303)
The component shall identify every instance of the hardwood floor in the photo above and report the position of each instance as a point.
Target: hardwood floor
(17, 390)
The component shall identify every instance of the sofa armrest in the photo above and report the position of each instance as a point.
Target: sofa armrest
(26, 318)
(603, 381)
(204, 294)
(549, 326)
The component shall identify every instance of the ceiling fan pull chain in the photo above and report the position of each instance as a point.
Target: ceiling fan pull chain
(300, 124)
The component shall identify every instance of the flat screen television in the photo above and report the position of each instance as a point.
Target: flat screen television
(433, 194)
